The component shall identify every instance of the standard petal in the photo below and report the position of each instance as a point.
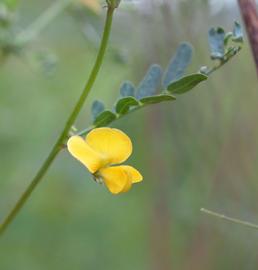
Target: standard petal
(79, 149)
(110, 142)
(116, 179)
(134, 175)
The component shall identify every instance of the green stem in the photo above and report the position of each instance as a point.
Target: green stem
(234, 220)
(119, 116)
(59, 143)
(42, 21)
(223, 62)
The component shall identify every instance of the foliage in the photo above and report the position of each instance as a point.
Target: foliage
(158, 86)
(223, 46)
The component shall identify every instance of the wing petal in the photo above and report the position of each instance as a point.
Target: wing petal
(116, 179)
(79, 149)
(134, 174)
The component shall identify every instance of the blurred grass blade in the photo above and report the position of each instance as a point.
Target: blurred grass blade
(123, 105)
(157, 99)
(150, 82)
(186, 83)
(127, 89)
(234, 220)
(216, 42)
(178, 64)
(104, 119)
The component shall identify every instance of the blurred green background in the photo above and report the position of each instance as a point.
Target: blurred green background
(200, 151)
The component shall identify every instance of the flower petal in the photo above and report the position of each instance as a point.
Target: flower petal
(134, 175)
(110, 142)
(79, 149)
(116, 179)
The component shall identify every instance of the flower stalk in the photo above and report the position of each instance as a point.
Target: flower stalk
(69, 123)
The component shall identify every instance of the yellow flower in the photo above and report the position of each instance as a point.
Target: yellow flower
(99, 151)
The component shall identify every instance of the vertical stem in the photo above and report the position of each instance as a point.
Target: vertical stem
(250, 16)
(77, 108)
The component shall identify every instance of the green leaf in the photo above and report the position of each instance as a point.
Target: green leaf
(97, 107)
(237, 33)
(150, 82)
(157, 99)
(123, 105)
(186, 83)
(178, 64)
(231, 52)
(127, 89)
(228, 37)
(216, 42)
(104, 119)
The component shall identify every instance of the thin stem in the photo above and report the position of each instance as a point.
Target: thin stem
(29, 189)
(85, 131)
(42, 21)
(234, 220)
(119, 116)
(59, 143)
(223, 62)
